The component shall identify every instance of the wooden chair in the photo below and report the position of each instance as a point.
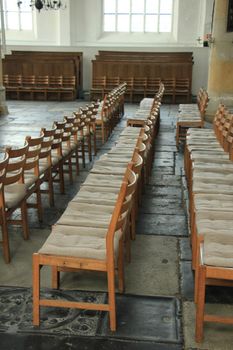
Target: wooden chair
(41, 87)
(13, 195)
(152, 86)
(129, 81)
(182, 88)
(56, 156)
(68, 147)
(139, 88)
(45, 163)
(68, 87)
(110, 255)
(215, 268)
(13, 84)
(3, 222)
(81, 124)
(75, 140)
(98, 88)
(32, 172)
(54, 88)
(111, 83)
(27, 87)
(169, 89)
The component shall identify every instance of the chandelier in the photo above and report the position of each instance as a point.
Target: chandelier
(45, 4)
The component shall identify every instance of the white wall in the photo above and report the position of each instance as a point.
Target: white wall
(79, 28)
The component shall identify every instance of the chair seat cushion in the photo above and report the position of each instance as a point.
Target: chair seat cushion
(78, 242)
(14, 194)
(218, 251)
(108, 169)
(103, 198)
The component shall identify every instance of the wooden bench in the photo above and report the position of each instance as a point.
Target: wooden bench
(67, 65)
(44, 87)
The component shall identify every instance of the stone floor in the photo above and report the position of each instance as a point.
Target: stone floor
(157, 310)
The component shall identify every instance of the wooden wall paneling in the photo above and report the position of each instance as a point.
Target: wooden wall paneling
(45, 63)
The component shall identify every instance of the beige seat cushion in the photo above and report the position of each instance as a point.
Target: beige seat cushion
(103, 198)
(78, 242)
(104, 180)
(217, 202)
(218, 250)
(14, 194)
(109, 169)
(73, 217)
(205, 187)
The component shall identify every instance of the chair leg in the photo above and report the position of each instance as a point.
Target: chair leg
(5, 240)
(36, 290)
(61, 178)
(111, 297)
(121, 281)
(55, 277)
(50, 186)
(76, 161)
(200, 304)
(39, 204)
(70, 169)
(24, 220)
(89, 147)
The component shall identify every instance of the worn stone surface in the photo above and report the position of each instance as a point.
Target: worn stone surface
(187, 280)
(163, 162)
(161, 205)
(165, 180)
(164, 191)
(158, 321)
(185, 249)
(169, 225)
(154, 262)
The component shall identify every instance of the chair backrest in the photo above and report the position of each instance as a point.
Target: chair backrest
(46, 144)
(119, 214)
(28, 81)
(99, 82)
(3, 168)
(69, 82)
(32, 156)
(15, 166)
(15, 80)
(153, 84)
(55, 81)
(42, 81)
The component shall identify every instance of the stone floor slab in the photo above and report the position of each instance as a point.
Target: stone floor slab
(45, 342)
(216, 336)
(158, 170)
(165, 180)
(165, 148)
(169, 225)
(187, 280)
(146, 318)
(154, 262)
(164, 155)
(161, 205)
(185, 249)
(163, 162)
(164, 191)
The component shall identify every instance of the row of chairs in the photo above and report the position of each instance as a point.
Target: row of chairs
(208, 164)
(40, 87)
(99, 223)
(138, 88)
(110, 110)
(191, 116)
(45, 158)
